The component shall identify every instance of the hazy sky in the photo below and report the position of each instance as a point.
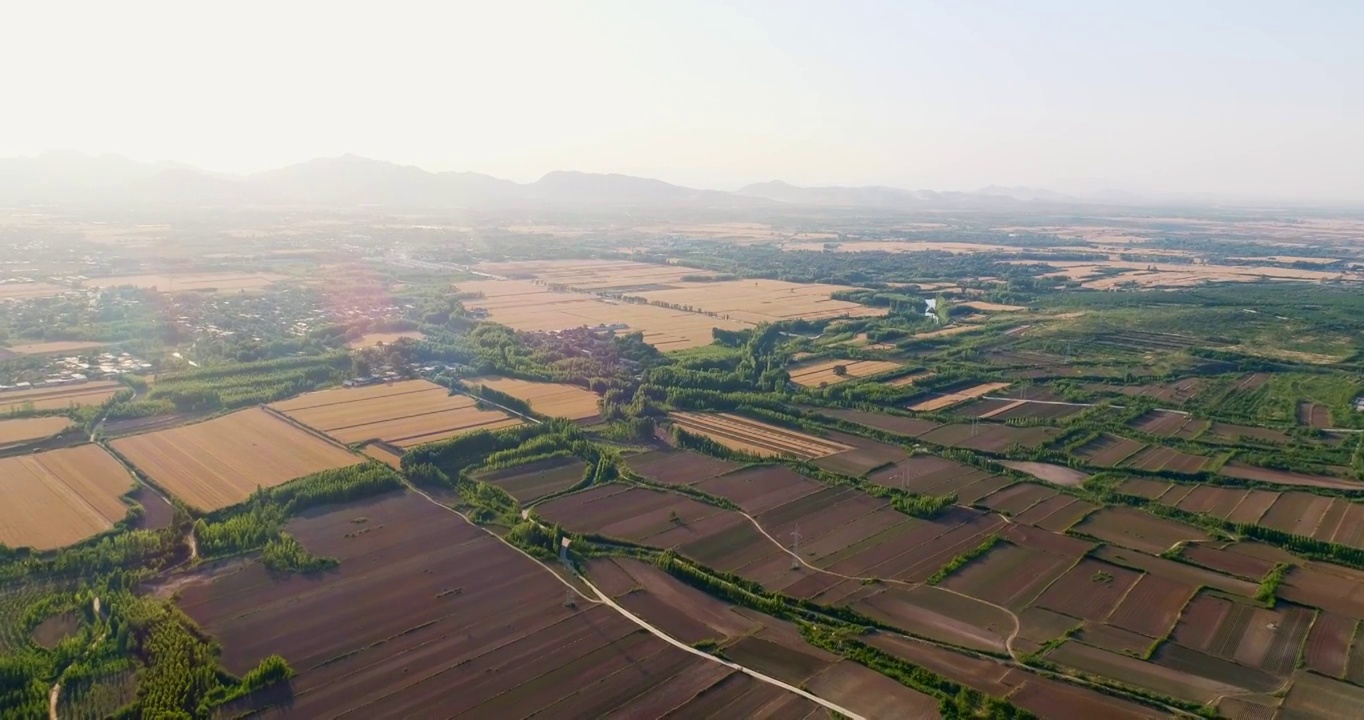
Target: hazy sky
(1244, 98)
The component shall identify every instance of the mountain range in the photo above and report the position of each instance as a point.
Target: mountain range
(59, 178)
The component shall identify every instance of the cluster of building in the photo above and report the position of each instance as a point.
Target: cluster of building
(77, 369)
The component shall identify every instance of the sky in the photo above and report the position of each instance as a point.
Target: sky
(1243, 99)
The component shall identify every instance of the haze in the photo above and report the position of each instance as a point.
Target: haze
(1248, 100)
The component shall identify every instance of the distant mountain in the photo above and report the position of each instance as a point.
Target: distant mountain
(348, 180)
(881, 197)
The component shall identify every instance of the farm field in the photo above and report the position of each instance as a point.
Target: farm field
(523, 305)
(532, 481)
(990, 437)
(1056, 474)
(403, 414)
(1285, 477)
(947, 400)
(59, 397)
(678, 467)
(196, 281)
(552, 399)
(53, 347)
(757, 438)
(865, 456)
(490, 626)
(26, 290)
(822, 373)
(749, 301)
(1109, 450)
(55, 498)
(220, 462)
(898, 424)
(17, 432)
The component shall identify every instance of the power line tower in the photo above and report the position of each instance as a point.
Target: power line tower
(795, 549)
(568, 568)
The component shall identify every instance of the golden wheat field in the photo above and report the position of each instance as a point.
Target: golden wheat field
(57, 398)
(552, 399)
(822, 373)
(220, 462)
(403, 414)
(13, 432)
(757, 438)
(59, 497)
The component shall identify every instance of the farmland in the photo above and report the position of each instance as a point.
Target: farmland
(824, 372)
(58, 397)
(402, 414)
(18, 432)
(1075, 502)
(757, 438)
(219, 462)
(496, 637)
(552, 399)
(955, 398)
(59, 497)
(222, 282)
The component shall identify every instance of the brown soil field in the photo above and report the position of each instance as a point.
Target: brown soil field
(1018, 498)
(1044, 697)
(1328, 644)
(197, 282)
(1152, 606)
(1132, 671)
(1163, 458)
(1161, 422)
(1285, 477)
(871, 694)
(928, 474)
(898, 424)
(940, 615)
(58, 346)
(1090, 590)
(220, 462)
(1144, 488)
(990, 437)
(1009, 575)
(678, 467)
(1246, 634)
(1253, 506)
(530, 482)
(1057, 474)
(1109, 450)
(954, 398)
(1330, 587)
(1137, 530)
(757, 438)
(486, 628)
(523, 305)
(822, 373)
(1174, 570)
(55, 498)
(55, 629)
(1210, 499)
(1227, 561)
(373, 339)
(1318, 698)
(58, 398)
(1314, 415)
(1230, 432)
(1062, 519)
(1350, 531)
(865, 455)
(552, 399)
(405, 413)
(16, 432)
(1297, 513)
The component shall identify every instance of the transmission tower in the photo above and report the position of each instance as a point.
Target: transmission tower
(568, 568)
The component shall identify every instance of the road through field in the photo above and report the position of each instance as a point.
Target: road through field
(602, 598)
(752, 673)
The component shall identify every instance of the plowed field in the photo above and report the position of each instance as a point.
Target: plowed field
(220, 462)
